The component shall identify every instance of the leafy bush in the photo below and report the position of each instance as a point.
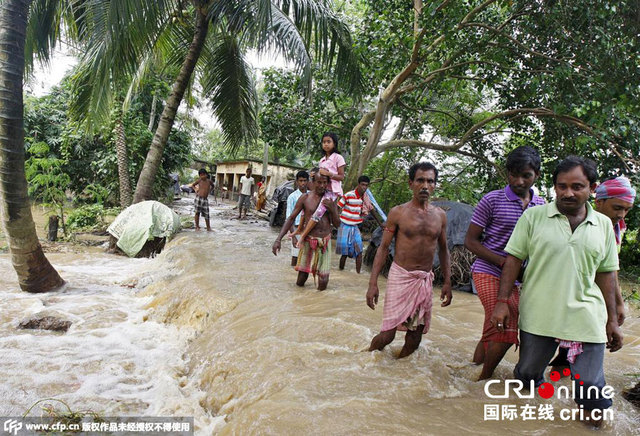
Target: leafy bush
(630, 254)
(87, 217)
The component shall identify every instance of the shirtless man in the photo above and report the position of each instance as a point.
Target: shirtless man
(418, 226)
(203, 187)
(315, 252)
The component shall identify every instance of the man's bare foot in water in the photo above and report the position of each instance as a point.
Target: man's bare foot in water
(197, 229)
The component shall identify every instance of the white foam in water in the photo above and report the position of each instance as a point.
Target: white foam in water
(110, 361)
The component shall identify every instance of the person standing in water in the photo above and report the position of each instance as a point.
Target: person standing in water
(491, 225)
(614, 198)
(246, 191)
(302, 179)
(568, 296)
(203, 187)
(418, 228)
(315, 252)
(331, 165)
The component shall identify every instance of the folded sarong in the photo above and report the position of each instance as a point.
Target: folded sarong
(348, 241)
(408, 299)
(314, 256)
(487, 286)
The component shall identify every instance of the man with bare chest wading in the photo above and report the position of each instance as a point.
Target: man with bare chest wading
(417, 226)
(315, 253)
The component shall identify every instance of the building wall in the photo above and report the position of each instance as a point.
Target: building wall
(230, 173)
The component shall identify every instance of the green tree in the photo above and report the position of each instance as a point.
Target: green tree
(207, 38)
(47, 180)
(91, 158)
(293, 125)
(35, 273)
(486, 73)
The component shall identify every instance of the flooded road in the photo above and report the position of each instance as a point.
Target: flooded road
(215, 328)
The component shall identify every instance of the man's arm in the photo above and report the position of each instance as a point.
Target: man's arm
(510, 272)
(381, 257)
(619, 302)
(607, 283)
(334, 218)
(472, 242)
(288, 223)
(445, 265)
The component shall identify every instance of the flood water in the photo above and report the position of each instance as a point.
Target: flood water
(215, 328)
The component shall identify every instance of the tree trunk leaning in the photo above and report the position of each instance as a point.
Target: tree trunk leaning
(144, 188)
(35, 273)
(123, 165)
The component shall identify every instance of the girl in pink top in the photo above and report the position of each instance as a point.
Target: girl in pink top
(332, 165)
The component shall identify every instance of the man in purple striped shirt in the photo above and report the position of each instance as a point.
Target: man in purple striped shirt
(496, 215)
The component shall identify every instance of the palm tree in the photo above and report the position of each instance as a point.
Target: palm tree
(35, 273)
(208, 38)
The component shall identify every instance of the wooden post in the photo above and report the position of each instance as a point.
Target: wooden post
(53, 228)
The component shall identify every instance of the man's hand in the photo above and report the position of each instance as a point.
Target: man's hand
(372, 296)
(446, 296)
(614, 336)
(329, 203)
(275, 247)
(500, 316)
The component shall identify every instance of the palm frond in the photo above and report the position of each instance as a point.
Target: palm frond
(295, 29)
(329, 38)
(228, 84)
(48, 22)
(117, 36)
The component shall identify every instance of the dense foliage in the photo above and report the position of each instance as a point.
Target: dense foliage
(89, 160)
(463, 83)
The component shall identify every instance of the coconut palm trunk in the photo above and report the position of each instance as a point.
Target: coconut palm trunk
(144, 188)
(35, 273)
(123, 164)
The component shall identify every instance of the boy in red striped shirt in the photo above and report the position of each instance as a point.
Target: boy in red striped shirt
(349, 240)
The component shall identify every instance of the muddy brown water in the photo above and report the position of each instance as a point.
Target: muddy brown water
(215, 328)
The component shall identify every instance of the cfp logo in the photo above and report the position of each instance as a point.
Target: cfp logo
(12, 426)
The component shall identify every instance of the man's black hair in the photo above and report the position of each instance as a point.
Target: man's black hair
(522, 157)
(570, 162)
(202, 171)
(364, 178)
(302, 175)
(424, 166)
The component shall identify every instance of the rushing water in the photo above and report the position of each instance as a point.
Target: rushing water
(215, 328)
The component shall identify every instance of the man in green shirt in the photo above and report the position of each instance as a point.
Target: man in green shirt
(568, 296)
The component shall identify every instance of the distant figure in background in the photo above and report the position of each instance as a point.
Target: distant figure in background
(246, 192)
(203, 188)
(302, 179)
(262, 194)
(175, 184)
(349, 240)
